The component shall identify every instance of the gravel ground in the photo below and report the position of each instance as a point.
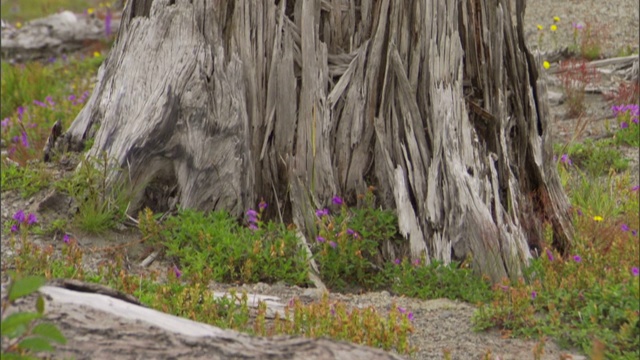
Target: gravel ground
(443, 325)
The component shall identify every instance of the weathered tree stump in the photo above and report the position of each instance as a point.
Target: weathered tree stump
(437, 103)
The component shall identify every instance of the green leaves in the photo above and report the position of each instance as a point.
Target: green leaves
(25, 286)
(20, 325)
(16, 324)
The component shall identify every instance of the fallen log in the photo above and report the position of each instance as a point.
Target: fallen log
(101, 326)
(54, 35)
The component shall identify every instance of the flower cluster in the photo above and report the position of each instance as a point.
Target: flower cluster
(626, 112)
(253, 217)
(21, 218)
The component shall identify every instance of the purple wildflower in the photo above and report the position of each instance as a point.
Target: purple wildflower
(320, 239)
(50, 101)
(396, 261)
(107, 23)
(15, 228)
(24, 140)
(333, 244)
(177, 272)
(534, 294)
(253, 226)
(624, 125)
(350, 232)
(39, 103)
(549, 255)
(333, 310)
(402, 310)
(6, 122)
(577, 258)
(635, 271)
(19, 216)
(579, 212)
(322, 212)
(51, 60)
(624, 227)
(578, 26)
(336, 200)
(416, 262)
(20, 112)
(565, 159)
(634, 232)
(635, 188)
(410, 316)
(66, 238)
(15, 139)
(262, 205)
(32, 219)
(252, 213)
(71, 97)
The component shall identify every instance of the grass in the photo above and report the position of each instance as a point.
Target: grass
(15, 11)
(586, 299)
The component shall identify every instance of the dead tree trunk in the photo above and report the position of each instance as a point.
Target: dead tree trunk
(437, 103)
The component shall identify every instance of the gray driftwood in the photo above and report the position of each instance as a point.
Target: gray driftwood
(52, 36)
(436, 103)
(100, 326)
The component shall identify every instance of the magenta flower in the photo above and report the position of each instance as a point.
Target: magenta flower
(5, 122)
(634, 232)
(635, 188)
(19, 216)
(410, 316)
(549, 255)
(624, 227)
(32, 219)
(252, 213)
(333, 244)
(20, 112)
(107, 23)
(635, 271)
(39, 103)
(565, 159)
(350, 232)
(416, 262)
(577, 258)
(402, 310)
(262, 205)
(15, 228)
(322, 212)
(396, 261)
(336, 200)
(177, 272)
(24, 140)
(66, 239)
(624, 125)
(320, 239)
(253, 226)
(534, 295)
(71, 97)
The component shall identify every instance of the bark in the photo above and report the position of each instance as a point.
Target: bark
(436, 103)
(100, 323)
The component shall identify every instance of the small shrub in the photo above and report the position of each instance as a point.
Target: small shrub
(575, 75)
(23, 335)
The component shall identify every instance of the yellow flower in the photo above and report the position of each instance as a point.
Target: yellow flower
(96, 54)
(598, 218)
(546, 65)
(540, 27)
(556, 19)
(18, 25)
(90, 11)
(554, 27)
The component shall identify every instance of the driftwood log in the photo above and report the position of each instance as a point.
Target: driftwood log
(108, 325)
(52, 36)
(438, 104)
